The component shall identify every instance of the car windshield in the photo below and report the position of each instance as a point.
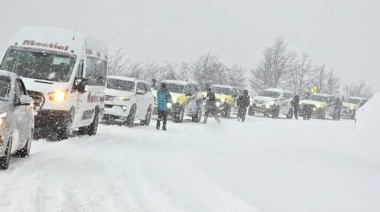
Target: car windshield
(121, 85)
(272, 94)
(352, 101)
(44, 65)
(174, 88)
(5, 87)
(221, 90)
(319, 98)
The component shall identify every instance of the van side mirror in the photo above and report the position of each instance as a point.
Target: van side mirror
(81, 85)
(140, 92)
(24, 100)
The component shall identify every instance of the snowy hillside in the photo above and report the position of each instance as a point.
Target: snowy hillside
(261, 165)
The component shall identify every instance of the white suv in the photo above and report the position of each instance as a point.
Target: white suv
(273, 102)
(127, 99)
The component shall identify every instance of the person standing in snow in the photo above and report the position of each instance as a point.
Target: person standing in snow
(338, 107)
(211, 106)
(243, 102)
(295, 103)
(163, 98)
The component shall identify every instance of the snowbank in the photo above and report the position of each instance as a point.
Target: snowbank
(367, 127)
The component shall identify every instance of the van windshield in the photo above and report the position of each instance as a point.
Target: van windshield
(221, 90)
(271, 94)
(352, 101)
(121, 85)
(174, 88)
(37, 64)
(5, 87)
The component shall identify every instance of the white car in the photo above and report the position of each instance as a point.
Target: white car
(127, 100)
(273, 102)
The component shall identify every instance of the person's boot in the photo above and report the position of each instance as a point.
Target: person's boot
(164, 127)
(158, 125)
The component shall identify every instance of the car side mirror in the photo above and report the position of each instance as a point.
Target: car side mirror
(140, 92)
(82, 85)
(25, 100)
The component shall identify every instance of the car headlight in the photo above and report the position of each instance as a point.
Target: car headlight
(124, 99)
(314, 108)
(352, 107)
(2, 117)
(175, 100)
(222, 100)
(267, 105)
(169, 105)
(218, 104)
(318, 105)
(58, 96)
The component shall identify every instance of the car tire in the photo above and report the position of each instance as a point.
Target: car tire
(131, 117)
(25, 151)
(4, 161)
(276, 113)
(148, 117)
(197, 117)
(66, 131)
(250, 112)
(179, 116)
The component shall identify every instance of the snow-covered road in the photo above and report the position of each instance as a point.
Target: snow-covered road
(261, 165)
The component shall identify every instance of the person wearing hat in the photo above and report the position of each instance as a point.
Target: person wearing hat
(295, 103)
(163, 98)
(211, 106)
(243, 103)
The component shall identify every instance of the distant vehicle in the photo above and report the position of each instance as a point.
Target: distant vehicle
(128, 99)
(65, 73)
(16, 118)
(317, 105)
(225, 99)
(351, 105)
(187, 99)
(273, 102)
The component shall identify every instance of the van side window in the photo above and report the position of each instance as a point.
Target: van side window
(141, 86)
(80, 70)
(96, 71)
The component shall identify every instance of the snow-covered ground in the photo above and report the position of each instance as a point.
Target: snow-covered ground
(261, 165)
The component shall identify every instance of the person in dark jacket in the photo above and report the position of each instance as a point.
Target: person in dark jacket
(338, 104)
(211, 106)
(163, 98)
(295, 103)
(243, 103)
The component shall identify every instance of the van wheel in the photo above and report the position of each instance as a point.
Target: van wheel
(66, 131)
(131, 118)
(25, 151)
(4, 161)
(93, 128)
(148, 116)
(197, 117)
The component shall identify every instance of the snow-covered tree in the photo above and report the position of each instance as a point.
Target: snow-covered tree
(359, 89)
(236, 76)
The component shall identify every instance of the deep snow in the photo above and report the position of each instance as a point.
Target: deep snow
(261, 165)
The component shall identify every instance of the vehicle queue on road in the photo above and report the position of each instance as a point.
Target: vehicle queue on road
(54, 84)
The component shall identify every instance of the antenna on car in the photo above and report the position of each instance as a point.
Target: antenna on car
(75, 31)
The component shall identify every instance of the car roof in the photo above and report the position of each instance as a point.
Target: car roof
(10, 74)
(358, 98)
(126, 79)
(323, 94)
(177, 82)
(278, 90)
(223, 86)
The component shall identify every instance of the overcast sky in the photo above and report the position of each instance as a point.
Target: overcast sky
(343, 34)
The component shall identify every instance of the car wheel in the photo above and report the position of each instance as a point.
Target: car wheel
(197, 117)
(25, 151)
(181, 115)
(66, 131)
(276, 113)
(131, 118)
(250, 112)
(148, 116)
(4, 161)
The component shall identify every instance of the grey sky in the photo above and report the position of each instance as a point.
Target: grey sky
(343, 34)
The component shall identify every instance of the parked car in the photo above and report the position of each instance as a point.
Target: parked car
(127, 100)
(225, 98)
(351, 105)
(16, 118)
(187, 99)
(273, 102)
(317, 106)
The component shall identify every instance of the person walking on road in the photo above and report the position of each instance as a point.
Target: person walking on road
(295, 103)
(163, 98)
(243, 103)
(211, 106)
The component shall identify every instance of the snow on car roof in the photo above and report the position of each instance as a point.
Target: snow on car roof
(353, 97)
(177, 82)
(7, 73)
(223, 86)
(278, 90)
(125, 78)
(323, 94)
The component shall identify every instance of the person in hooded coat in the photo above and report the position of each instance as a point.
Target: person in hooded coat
(211, 106)
(295, 103)
(243, 103)
(163, 98)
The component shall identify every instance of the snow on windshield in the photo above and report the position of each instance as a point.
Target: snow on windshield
(271, 94)
(46, 65)
(121, 85)
(5, 86)
(221, 90)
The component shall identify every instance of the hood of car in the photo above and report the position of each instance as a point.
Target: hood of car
(262, 99)
(178, 97)
(118, 93)
(351, 106)
(223, 98)
(312, 102)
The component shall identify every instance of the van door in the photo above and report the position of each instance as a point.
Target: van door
(80, 98)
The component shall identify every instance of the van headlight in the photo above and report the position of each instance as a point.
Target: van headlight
(2, 118)
(124, 99)
(58, 96)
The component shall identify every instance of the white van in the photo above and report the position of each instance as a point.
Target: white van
(127, 100)
(65, 73)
